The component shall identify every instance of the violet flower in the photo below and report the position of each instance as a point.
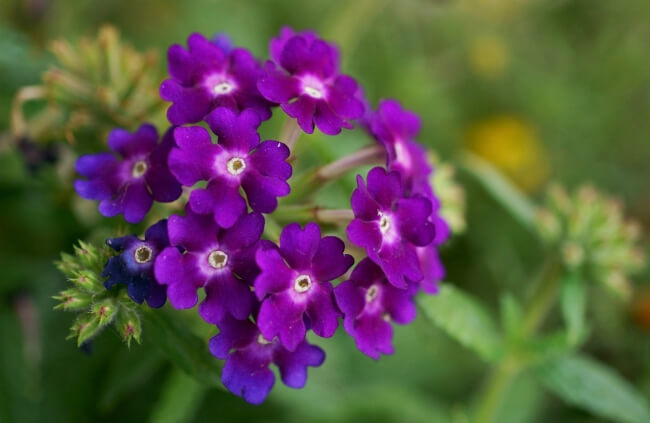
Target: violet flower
(294, 283)
(208, 75)
(304, 79)
(220, 260)
(396, 128)
(131, 183)
(239, 160)
(370, 303)
(390, 225)
(133, 267)
(249, 354)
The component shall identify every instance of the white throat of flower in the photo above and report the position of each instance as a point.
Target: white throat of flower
(302, 283)
(139, 168)
(218, 259)
(143, 254)
(223, 88)
(236, 166)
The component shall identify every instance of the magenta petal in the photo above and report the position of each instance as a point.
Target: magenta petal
(278, 88)
(326, 120)
(293, 365)
(222, 200)
(96, 165)
(364, 234)
(303, 109)
(193, 232)
(275, 276)
(398, 261)
(350, 299)
(226, 294)
(235, 131)
(269, 158)
(245, 232)
(280, 316)
(373, 336)
(384, 187)
(137, 202)
(399, 304)
(129, 144)
(363, 205)
(298, 246)
(329, 262)
(413, 214)
(262, 191)
(322, 312)
(177, 272)
(248, 376)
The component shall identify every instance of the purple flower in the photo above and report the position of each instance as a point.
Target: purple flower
(389, 225)
(208, 75)
(433, 270)
(130, 184)
(220, 260)
(239, 160)
(249, 354)
(294, 283)
(369, 303)
(133, 267)
(304, 79)
(396, 129)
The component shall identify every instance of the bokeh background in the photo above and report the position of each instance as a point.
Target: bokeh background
(544, 89)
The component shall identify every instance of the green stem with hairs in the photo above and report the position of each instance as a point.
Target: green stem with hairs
(505, 372)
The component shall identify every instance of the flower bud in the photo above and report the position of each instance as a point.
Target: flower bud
(129, 325)
(104, 310)
(73, 299)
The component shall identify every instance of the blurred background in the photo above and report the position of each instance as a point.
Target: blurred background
(546, 90)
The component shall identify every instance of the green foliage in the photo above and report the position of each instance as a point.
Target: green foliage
(182, 347)
(573, 302)
(99, 307)
(464, 319)
(590, 385)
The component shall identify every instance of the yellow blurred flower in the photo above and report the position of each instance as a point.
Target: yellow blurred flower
(488, 56)
(513, 146)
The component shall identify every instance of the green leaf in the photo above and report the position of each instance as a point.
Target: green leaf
(182, 347)
(464, 319)
(590, 385)
(573, 304)
(502, 190)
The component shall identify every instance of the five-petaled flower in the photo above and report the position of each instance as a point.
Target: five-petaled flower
(130, 184)
(238, 160)
(248, 355)
(390, 225)
(133, 267)
(370, 303)
(304, 78)
(294, 284)
(220, 260)
(209, 74)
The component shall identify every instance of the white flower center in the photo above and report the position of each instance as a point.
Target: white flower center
(262, 340)
(371, 293)
(236, 165)
(218, 259)
(143, 254)
(313, 92)
(223, 88)
(139, 168)
(302, 283)
(384, 223)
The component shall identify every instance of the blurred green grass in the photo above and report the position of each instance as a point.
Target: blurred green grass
(576, 72)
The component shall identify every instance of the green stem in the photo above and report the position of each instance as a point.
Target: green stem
(508, 368)
(290, 132)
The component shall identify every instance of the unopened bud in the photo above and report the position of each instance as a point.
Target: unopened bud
(84, 328)
(73, 299)
(129, 325)
(104, 310)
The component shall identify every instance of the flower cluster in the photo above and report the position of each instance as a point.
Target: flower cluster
(590, 230)
(266, 292)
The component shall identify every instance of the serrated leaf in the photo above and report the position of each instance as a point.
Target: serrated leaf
(594, 387)
(182, 347)
(464, 319)
(573, 303)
